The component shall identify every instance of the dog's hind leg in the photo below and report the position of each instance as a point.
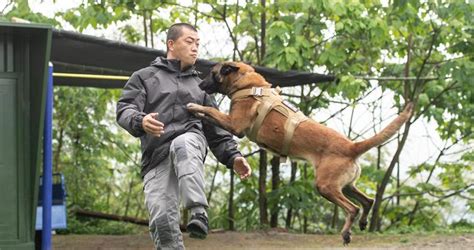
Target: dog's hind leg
(334, 194)
(366, 202)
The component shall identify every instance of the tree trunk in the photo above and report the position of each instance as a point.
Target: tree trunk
(234, 39)
(140, 209)
(294, 164)
(406, 86)
(151, 29)
(262, 188)
(231, 202)
(185, 217)
(438, 158)
(375, 221)
(209, 196)
(275, 183)
(145, 29)
(77, 182)
(305, 218)
(335, 217)
(196, 6)
(58, 150)
(398, 178)
(263, 29)
(129, 194)
(234, 53)
(109, 191)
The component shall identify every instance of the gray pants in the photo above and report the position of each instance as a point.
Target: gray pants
(181, 175)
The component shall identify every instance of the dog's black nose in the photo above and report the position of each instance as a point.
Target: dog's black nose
(209, 84)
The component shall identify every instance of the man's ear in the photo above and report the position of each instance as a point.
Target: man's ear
(169, 45)
(227, 69)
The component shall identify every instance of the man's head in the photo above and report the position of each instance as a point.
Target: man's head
(182, 43)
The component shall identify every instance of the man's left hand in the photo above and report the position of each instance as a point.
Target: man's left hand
(242, 167)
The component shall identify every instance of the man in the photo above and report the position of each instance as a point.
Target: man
(173, 141)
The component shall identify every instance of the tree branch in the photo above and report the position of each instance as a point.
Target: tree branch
(425, 60)
(395, 78)
(6, 6)
(342, 109)
(406, 87)
(442, 197)
(193, 9)
(450, 59)
(234, 40)
(432, 101)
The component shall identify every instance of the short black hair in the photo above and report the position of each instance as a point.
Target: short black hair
(175, 32)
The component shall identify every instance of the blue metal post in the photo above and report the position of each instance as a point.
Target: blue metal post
(48, 164)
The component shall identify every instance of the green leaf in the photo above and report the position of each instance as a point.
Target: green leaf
(423, 99)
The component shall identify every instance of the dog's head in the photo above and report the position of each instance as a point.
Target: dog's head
(223, 76)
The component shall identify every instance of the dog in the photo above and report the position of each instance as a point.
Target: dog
(332, 154)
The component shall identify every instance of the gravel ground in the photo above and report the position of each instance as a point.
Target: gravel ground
(271, 240)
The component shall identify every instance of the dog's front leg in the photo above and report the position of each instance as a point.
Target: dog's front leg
(213, 115)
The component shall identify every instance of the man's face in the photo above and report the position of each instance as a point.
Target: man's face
(185, 48)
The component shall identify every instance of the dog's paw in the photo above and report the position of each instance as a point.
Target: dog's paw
(346, 238)
(196, 109)
(200, 115)
(193, 107)
(362, 225)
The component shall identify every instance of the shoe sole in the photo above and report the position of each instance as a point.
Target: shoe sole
(196, 232)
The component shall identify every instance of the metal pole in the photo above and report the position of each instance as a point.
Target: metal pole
(47, 164)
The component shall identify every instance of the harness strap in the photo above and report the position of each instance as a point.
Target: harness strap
(262, 111)
(294, 119)
(270, 99)
(256, 92)
(282, 109)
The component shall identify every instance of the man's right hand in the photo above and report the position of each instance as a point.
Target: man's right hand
(153, 126)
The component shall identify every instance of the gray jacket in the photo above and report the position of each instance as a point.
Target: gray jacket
(164, 89)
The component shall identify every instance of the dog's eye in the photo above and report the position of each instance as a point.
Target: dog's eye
(227, 69)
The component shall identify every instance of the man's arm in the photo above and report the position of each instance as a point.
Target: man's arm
(130, 115)
(130, 106)
(223, 146)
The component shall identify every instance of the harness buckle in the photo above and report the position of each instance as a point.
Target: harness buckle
(257, 91)
(276, 90)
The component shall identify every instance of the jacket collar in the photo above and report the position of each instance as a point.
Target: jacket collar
(173, 65)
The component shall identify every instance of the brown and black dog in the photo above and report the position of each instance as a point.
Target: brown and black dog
(332, 154)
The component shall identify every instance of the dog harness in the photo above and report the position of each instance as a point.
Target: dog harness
(271, 100)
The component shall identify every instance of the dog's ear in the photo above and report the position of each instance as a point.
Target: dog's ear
(227, 69)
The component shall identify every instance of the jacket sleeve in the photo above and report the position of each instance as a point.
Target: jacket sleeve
(220, 141)
(130, 106)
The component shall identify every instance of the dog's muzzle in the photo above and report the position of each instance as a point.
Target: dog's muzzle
(210, 84)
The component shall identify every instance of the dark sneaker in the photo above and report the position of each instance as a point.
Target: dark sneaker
(198, 226)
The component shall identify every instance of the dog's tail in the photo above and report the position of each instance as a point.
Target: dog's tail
(392, 128)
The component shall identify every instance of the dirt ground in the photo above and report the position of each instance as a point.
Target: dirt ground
(271, 240)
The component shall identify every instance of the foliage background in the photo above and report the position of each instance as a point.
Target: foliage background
(422, 179)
